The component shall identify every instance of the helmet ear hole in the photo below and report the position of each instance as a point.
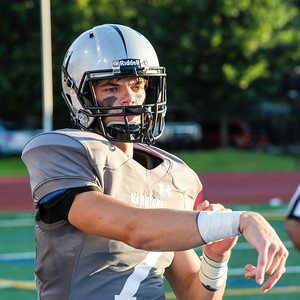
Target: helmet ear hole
(151, 91)
(87, 95)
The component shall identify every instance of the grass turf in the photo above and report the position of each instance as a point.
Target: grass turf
(211, 161)
(234, 160)
(17, 247)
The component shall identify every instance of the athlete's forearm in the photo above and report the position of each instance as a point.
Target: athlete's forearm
(148, 229)
(198, 291)
(183, 277)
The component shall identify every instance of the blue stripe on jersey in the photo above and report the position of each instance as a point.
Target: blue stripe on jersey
(52, 196)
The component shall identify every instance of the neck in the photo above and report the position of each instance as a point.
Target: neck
(127, 148)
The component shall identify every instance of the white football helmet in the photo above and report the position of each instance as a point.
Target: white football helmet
(114, 51)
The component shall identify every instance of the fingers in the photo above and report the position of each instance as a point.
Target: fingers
(206, 205)
(261, 267)
(251, 271)
(203, 205)
(276, 269)
(272, 280)
(272, 254)
(274, 277)
(217, 207)
(271, 262)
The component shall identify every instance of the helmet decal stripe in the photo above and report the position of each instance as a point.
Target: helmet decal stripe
(121, 35)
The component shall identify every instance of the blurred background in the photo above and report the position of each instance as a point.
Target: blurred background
(233, 116)
(233, 66)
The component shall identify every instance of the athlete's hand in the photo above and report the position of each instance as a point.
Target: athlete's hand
(217, 251)
(272, 254)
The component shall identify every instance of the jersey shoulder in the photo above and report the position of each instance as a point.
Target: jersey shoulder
(70, 143)
(63, 138)
(68, 158)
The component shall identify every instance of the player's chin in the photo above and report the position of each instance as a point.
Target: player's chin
(133, 119)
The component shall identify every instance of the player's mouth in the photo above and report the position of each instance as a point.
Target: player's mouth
(118, 129)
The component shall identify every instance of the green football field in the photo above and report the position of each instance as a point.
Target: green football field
(17, 260)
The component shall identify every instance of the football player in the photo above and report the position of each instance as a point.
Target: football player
(113, 212)
(292, 224)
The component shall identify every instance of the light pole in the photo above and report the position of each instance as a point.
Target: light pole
(47, 85)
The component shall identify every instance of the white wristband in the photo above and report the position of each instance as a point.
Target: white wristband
(212, 275)
(214, 226)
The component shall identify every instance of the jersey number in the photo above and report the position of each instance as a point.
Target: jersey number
(140, 272)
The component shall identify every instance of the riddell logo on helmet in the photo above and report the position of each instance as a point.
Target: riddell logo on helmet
(129, 62)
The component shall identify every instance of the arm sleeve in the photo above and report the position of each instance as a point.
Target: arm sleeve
(58, 207)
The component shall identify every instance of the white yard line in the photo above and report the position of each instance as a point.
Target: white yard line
(16, 223)
(16, 256)
(241, 271)
(247, 246)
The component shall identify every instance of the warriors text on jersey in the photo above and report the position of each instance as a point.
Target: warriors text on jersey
(71, 264)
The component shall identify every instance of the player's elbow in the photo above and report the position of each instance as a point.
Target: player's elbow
(139, 242)
(139, 238)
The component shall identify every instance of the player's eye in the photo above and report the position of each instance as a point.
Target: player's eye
(136, 88)
(111, 90)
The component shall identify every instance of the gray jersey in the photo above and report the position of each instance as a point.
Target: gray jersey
(71, 264)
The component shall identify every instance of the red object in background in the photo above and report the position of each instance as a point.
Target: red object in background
(239, 134)
(263, 142)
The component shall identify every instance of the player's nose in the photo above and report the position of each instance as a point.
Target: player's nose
(127, 96)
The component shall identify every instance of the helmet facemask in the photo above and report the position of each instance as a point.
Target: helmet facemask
(113, 51)
(151, 113)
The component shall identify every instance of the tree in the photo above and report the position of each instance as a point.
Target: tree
(220, 55)
(19, 59)
(20, 56)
